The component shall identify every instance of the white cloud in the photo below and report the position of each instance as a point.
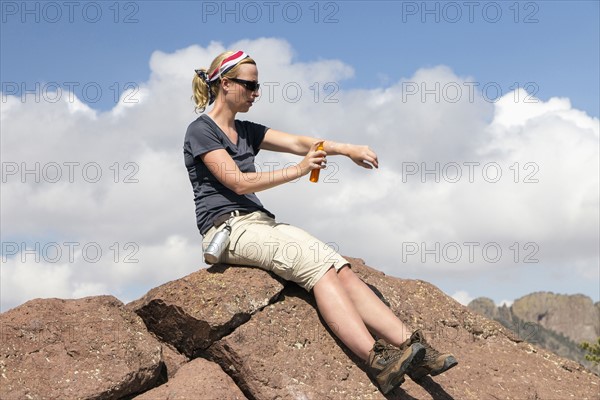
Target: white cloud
(388, 217)
(22, 281)
(507, 303)
(462, 297)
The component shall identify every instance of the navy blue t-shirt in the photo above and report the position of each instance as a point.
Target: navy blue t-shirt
(211, 197)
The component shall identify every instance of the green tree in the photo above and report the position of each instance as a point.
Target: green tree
(593, 351)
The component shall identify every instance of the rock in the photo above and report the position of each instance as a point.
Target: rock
(173, 359)
(420, 304)
(198, 379)
(284, 351)
(90, 348)
(575, 316)
(268, 338)
(558, 323)
(484, 306)
(192, 312)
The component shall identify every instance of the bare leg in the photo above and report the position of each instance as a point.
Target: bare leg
(340, 313)
(375, 314)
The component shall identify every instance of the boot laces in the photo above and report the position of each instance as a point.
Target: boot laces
(430, 353)
(386, 351)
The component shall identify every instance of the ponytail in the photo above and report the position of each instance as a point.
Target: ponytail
(202, 90)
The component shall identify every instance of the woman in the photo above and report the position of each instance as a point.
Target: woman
(219, 155)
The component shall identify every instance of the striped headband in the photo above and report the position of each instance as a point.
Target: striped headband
(227, 64)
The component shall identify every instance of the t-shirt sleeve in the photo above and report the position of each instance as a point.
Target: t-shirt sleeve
(201, 139)
(256, 134)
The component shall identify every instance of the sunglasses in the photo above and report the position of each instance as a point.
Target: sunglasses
(252, 86)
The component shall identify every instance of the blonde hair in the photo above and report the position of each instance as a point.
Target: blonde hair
(200, 87)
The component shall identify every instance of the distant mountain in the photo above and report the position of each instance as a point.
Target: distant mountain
(555, 322)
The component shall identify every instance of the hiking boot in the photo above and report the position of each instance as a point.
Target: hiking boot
(391, 363)
(434, 362)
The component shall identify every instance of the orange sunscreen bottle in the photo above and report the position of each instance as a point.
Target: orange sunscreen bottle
(314, 174)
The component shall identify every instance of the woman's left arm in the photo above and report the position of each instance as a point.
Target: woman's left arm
(275, 140)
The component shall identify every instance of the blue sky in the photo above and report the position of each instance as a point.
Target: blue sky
(368, 50)
(550, 46)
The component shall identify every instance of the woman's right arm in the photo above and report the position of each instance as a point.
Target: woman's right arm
(224, 168)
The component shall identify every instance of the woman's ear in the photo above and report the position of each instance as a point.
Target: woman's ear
(224, 84)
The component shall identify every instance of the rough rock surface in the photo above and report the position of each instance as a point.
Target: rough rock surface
(484, 306)
(284, 351)
(173, 359)
(90, 348)
(558, 323)
(494, 362)
(269, 339)
(192, 312)
(575, 316)
(198, 379)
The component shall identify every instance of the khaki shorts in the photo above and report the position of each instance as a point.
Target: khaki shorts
(289, 252)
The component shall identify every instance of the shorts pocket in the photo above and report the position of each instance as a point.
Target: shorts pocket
(245, 248)
(283, 266)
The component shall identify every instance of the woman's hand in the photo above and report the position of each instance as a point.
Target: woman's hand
(363, 156)
(314, 159)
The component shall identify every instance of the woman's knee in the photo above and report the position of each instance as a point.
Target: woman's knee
(346, 275)
(327, 279)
